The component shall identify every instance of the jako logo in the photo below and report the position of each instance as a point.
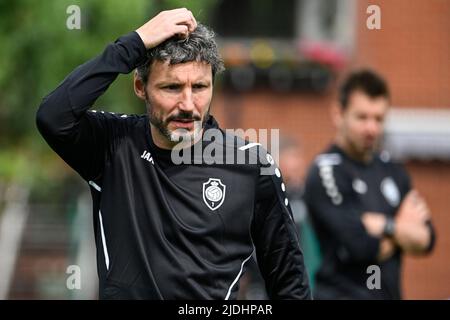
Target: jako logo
(147, 156)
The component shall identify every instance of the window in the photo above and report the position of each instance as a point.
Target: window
(254, 18)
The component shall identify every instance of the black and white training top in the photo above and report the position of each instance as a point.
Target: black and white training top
(166, 231)
(338, 190)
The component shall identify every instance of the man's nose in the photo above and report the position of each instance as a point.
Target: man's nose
(186, 102)
(373, 127)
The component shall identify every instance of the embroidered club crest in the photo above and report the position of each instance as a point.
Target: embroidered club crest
(359, 186)
(213, 193)
(390, 191)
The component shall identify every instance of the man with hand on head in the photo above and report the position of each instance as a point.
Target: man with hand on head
(166, 230)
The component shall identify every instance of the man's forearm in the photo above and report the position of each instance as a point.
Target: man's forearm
(387, 249)
(375, 223)
(92, 79)
(413, 239)
(78, 92)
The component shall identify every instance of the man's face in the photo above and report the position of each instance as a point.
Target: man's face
(177, 96)
(361, 123)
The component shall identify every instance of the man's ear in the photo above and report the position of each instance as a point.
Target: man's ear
(337, 114)
(139, 86)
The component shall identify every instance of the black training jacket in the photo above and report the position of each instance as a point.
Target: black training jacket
(338, 191)
(166, 231)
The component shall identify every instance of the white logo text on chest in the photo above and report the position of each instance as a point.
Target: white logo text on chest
(147, 156)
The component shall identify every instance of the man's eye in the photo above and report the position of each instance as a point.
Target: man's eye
(199, 86)
(361, 117)
(172, 87)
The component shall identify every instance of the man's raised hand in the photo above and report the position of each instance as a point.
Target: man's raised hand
(165, 25)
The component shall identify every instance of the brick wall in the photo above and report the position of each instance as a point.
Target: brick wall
(412, 49)
(427, 277)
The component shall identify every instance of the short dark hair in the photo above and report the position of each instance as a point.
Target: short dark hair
(366, 81)
(198, 46)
